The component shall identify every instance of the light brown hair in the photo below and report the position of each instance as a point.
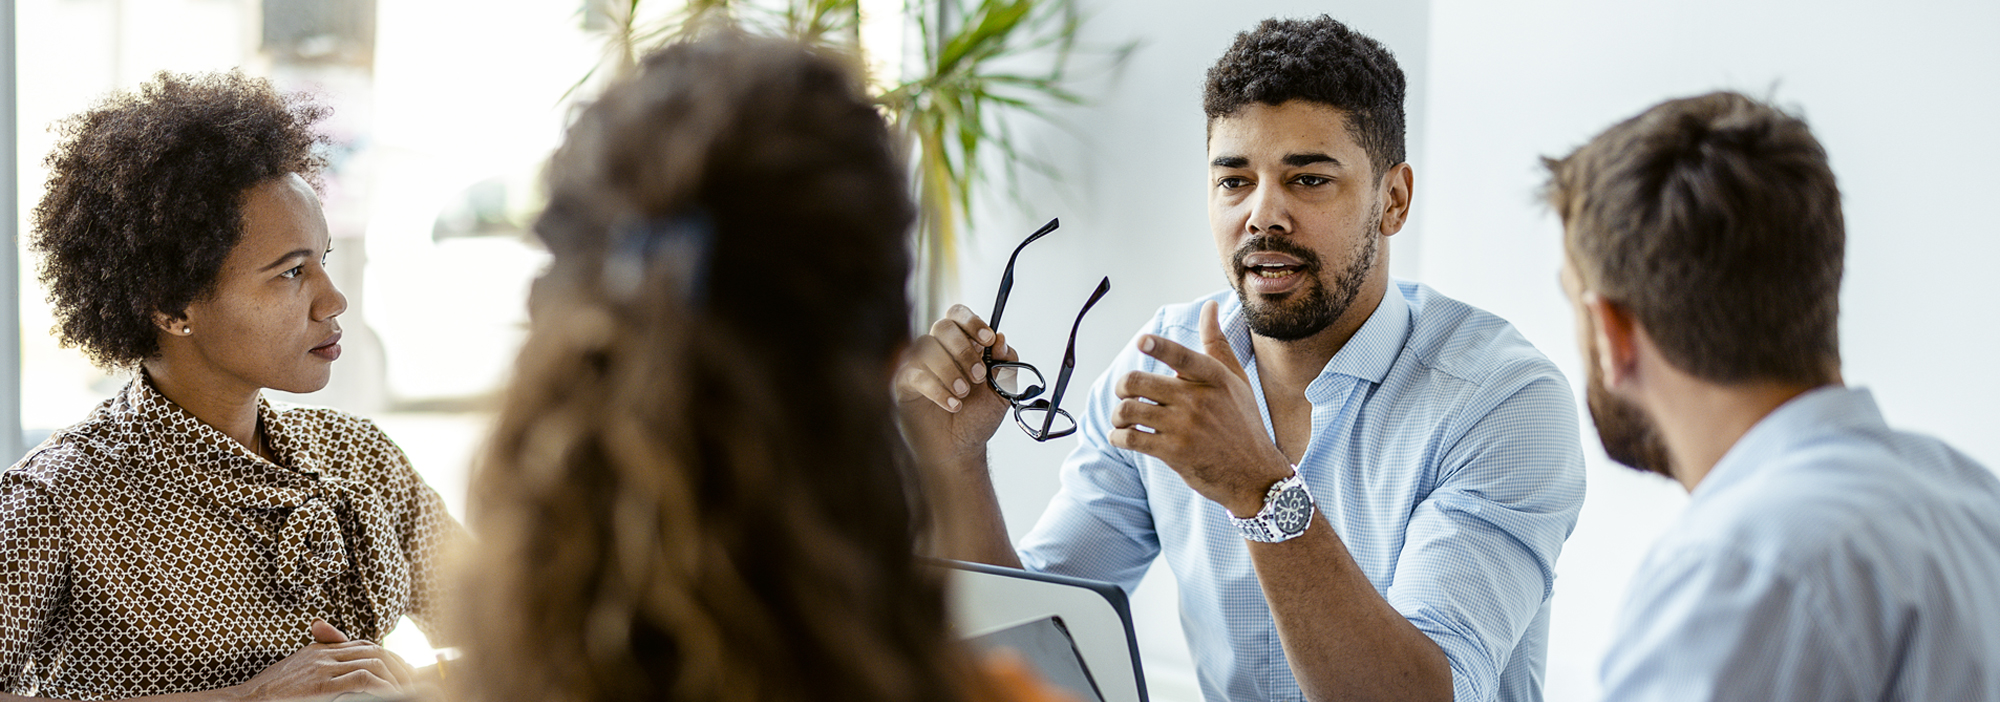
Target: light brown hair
(1716, 221)
(696, 490)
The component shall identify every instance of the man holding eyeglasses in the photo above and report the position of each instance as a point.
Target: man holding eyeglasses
(1361, 485)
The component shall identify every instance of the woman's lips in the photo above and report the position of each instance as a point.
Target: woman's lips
(329, 349)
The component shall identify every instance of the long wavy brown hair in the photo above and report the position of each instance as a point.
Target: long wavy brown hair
(695, 489)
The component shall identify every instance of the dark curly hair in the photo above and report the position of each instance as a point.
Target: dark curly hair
(1319, 60)
(145, 200)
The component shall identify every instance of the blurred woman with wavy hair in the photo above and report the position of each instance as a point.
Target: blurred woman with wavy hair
(696, 489)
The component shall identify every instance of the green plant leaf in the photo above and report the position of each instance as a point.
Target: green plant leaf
(998, 58)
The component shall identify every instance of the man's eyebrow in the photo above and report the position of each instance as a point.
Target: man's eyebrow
(1297, 160)
(1293, 160)
(289, 255)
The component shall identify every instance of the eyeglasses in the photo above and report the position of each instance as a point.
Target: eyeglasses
(1041, 418)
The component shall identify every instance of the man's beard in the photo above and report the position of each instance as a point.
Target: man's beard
(1628, 435)
(1311, 308)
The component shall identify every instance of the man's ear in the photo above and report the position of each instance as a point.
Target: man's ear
(1617, 338)
(1398, 186)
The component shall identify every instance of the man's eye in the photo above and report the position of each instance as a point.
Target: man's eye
(1312, 181)
(1232, 182)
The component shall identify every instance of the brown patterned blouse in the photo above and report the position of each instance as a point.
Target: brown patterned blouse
(148, 553)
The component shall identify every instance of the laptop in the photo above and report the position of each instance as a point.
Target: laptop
(1076, 633)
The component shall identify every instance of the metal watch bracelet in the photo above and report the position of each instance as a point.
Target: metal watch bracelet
(1288, 510)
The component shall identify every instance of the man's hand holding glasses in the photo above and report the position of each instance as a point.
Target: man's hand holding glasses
(965, 367)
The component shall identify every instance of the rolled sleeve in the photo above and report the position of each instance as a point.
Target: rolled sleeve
(1479, 561)
(1100, 524)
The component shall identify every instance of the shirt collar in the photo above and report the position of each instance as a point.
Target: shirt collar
(203, 455)
(1373, 349)
(1822, 411)
(1368, 355)
(329, 522)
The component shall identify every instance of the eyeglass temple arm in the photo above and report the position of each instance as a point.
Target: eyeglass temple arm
(1007, 277)
(1069, 354)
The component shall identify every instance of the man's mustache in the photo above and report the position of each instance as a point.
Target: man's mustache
(1308, 261)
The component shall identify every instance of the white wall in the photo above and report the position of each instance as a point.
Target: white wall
(1133, 205)
(1905, 100)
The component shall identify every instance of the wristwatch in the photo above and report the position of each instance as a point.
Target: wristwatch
(1288, 508)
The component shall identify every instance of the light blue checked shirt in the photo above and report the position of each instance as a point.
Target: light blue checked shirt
(1444, 452)
(1825, 557)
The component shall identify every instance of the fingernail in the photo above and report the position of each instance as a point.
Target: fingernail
(952, 403)
(986, 336)
(979, 373)
(1146, 344)
(959, 387)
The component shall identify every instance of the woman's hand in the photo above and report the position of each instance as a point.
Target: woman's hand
(330, 667)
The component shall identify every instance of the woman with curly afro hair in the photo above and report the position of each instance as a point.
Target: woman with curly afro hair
(189, 539)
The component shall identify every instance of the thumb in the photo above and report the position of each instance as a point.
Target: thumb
(1215, 344)
(325, 633)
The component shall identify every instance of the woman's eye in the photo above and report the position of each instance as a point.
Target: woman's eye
(293, 272)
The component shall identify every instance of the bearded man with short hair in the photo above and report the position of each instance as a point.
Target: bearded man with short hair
(1822, 554)
(1361, 485)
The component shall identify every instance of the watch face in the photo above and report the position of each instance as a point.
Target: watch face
(1291, 510)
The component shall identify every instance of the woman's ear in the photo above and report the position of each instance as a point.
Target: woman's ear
(177, 326)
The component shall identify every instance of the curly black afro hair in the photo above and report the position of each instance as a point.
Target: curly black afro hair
(145, 200)
(1320, 60)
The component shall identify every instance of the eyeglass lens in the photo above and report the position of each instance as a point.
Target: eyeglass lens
(1015, 381)
(1042, 423)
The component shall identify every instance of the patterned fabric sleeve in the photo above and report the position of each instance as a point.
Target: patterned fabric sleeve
(1479, 559)
(431, 538)
(436, 539)
(36, 548)
(1099, 526)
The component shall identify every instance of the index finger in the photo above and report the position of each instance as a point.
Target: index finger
(1187, 363)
